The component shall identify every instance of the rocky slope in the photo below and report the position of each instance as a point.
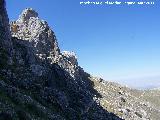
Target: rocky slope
(127, 103)
(39, 82)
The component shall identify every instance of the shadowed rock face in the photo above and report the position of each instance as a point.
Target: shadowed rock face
(5, 36)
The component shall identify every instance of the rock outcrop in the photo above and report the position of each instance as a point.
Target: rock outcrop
(71, 56)
(40, 37)
(42, 83)
(41, 41)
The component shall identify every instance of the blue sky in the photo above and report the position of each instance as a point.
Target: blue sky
(114, 42)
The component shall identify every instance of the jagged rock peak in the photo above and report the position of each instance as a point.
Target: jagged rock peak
(37, 32)
(27, 14)
(41, 41)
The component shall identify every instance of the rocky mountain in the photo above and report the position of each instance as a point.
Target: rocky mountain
(40, 82)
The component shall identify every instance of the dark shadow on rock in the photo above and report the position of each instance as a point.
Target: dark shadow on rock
(55, 89)
(5, 116)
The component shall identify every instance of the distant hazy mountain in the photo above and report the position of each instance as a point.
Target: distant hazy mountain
(141, 83)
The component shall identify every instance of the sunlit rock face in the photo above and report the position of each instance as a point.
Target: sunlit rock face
(31, 28)
(68, 61)
(41, 42)
(27, 14)
(71, 56)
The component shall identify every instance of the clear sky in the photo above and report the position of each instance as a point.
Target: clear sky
(115, 42)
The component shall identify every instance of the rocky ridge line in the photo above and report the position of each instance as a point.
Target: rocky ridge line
(41, 82)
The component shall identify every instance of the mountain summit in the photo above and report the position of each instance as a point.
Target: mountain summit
(27, 14)
(40, 82)
(41, 41)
